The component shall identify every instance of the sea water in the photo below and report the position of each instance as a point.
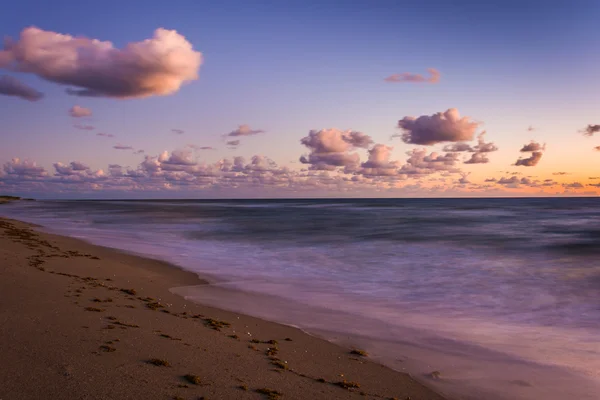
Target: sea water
(501, 296)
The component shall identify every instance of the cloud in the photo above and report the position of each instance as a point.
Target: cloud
(330, 148)
(84, 127)
(437, 128)
(536, 151)
(233, 143)
(178, 157)
(573, 185)
(244, 130)
(196, 147)
(108, 135)
(140, 151)
(417, 78)
(78, 111)
(591, 129)
(514, 181)
(10, 86)
(153, 67)
(532, 161)
(178, 131)
(74, 168)
(421, 163)
(122, 147)
(458, 147)
(478, 158)
(533, 146)
(530, 129)
(379, 163)
(24, 169)
(561, 173)
(597, 148)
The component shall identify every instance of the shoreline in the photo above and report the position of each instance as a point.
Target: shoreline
(75, 279)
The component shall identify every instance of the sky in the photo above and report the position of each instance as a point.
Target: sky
(198, 99)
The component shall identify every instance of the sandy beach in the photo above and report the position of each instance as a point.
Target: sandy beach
(79, 321)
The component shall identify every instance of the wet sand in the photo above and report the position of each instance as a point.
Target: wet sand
(78, 321)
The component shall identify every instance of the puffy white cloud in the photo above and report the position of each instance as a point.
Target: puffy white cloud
(330, 148)
(10, 86)
(437, 128)
(78, 111)
(178, 157)
(156, 66)
(434, 77)
(379, 163)
(244, 130)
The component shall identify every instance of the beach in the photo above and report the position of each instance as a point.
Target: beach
(80, 321)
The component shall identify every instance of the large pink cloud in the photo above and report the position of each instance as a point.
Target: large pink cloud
(440, 127)
(415, 78)
(10, 86)
(156, 66)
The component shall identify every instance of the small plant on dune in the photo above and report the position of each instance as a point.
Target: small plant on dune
(279, 364)
(94, 309)
(348, 385)
(158, 362)
(193, 379)
(129, 291)
(107, 349)
(154, 305)
(272, 351)
(359, 352)
(244, 387)
(435, 375)
(216, 324)
(272, 394)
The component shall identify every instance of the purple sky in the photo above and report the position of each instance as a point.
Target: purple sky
(300, 99)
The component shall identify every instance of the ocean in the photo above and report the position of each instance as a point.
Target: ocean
(501, 296)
